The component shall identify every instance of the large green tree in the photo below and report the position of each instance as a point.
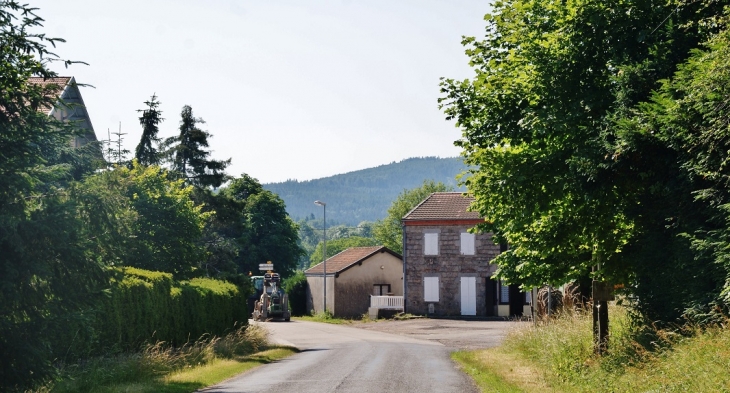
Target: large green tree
(263, 230)
(189, 155)
(389, 231)
(158, 223)
(47, 279)
(555, 175)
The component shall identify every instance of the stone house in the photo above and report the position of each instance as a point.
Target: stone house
(352, 277)
(448, 270)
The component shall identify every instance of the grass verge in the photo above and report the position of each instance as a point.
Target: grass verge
(558, 357)
(172, 370)
(324, 317)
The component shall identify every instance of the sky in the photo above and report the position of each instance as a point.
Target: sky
(288, 89)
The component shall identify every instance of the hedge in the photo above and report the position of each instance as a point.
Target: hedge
(145, 306)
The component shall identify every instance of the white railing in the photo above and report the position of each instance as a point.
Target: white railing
(387, 302)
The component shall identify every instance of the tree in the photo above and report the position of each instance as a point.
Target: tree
(266, 232)
(336, 246)
(555, 174)
(189, 158)
(389, 231)
(146, 153)
(47, 280)
(163, 225)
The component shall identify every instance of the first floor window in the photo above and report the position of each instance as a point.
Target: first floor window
(431, 243)
(431, 289)
(467, 243)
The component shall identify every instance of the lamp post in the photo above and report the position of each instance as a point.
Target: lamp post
(324, 254)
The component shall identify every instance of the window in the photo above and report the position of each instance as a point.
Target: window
(467, 243)
(431, 243)
(381, 289)
(431, 289)
(503, 292)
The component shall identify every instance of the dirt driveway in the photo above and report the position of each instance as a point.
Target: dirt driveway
(457, 334)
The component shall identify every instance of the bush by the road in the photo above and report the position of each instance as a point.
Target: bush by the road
(296, 287)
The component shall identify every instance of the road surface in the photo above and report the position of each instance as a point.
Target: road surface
(337, 358)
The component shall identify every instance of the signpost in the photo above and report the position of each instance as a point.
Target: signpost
(266, 266)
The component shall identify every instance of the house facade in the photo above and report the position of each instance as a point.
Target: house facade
(352, 277)
(447, 269)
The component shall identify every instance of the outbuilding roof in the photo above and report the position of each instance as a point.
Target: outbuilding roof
(342, 261)
(444, 206)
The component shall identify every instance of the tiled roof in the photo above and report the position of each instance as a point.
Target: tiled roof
(444, 206)
(61, 82)
(347, 258)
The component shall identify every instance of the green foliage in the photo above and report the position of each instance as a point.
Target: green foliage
(189, 157)
(363, 195)
(147, 306)
(389, 231)
(146, 153)
(559, 171)
(47, 277)
(688, 114)
(157, 224)
(262, 229)
(296, 287)
(336, 246)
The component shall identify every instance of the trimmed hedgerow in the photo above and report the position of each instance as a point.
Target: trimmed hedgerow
(145, 306)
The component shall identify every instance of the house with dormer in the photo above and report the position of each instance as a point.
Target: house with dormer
(448, 269)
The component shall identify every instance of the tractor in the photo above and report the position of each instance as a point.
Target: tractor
(274, 302)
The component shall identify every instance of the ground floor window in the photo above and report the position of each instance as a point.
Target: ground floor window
(503, 292)
(381, 289)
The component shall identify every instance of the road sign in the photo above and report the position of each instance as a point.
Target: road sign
(266, 266)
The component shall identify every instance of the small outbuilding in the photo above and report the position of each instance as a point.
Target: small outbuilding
(352, 277)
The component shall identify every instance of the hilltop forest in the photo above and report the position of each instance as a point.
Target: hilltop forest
(363, 195)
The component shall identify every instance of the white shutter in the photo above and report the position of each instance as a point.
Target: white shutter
(431, 289)
(431, 243)
(468, 296)
(467, 243)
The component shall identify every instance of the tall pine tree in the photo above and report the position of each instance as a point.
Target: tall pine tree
(189, 157)
(146, 153)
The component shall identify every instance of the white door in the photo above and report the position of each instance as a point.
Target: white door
(468, 296)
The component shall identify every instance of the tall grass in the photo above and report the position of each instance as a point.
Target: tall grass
(559, 355)
(149, 367)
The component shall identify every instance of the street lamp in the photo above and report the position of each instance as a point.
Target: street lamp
(324, 255)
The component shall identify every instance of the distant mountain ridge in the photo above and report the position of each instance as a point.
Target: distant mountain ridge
(363, 195)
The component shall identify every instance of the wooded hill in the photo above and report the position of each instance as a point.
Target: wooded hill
(363, 195)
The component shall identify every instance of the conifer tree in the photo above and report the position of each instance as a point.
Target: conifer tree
(189, 157)
(146, 153)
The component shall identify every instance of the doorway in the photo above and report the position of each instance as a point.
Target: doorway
(468, 296)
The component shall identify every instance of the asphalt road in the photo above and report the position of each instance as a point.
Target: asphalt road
(337, 358)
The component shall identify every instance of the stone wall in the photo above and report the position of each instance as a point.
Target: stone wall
(449, 265)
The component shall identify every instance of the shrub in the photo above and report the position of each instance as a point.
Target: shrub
(296, 287)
